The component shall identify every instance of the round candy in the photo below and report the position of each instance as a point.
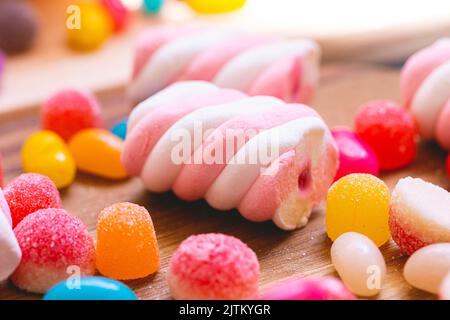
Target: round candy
(217, 6)
(420, 214)
(95, 26)
(213, 266)
(391, 132)
(126, 242)
(55, 245)
(97, 152)
(444, 288)
(428, 266)
(360, 203)
(70, 111)
(355, 156)
(326, 288)
(18, 26)
(118, 12)
(90, 288)
(44, 152)
(120, 129)
(359, 263)
(28, 193)
(153, 6)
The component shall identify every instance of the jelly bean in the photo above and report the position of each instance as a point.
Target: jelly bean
(355, 156)
(88, 26)
(359, 263)
(54, 245)
(358, 202)
(217, 6)
(213, 266)
(444, 288)
(153, 6)
(90, 288)
(126, 242)
(428, 266)
(420, 214)
(70, 111)
(44, 152)
(118, 12)
(97, 152)
(120, 129)
(28, 193)
(391, 132)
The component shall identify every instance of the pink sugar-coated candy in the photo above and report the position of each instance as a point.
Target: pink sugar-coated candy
(28, 193)
(355, 156)
(54, 246)
(325, 288)
(213, 266)
(70, 111)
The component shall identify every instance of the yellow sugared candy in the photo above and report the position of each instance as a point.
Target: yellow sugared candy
(88, 25)
(216, 6)
(44, 152)
(126, 242)
(97, 151)
(359, 203)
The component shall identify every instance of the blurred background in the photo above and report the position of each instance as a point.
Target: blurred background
(382, 31)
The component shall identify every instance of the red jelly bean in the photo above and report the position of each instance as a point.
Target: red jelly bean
(70, 111)
(28, 193)
(118, 12)
(391, 132)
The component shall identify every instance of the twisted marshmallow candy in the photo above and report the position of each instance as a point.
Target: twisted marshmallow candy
(284, 189)
(250, 63)
(425, 85)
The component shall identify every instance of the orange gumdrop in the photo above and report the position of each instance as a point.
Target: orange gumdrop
(97, 151)
(126, 242)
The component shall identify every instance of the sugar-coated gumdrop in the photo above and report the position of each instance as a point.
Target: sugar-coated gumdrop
(91, 288)
(118, 12)
(444, 288)
(28, 193)
(153, 6)
(44, 152)
(325, 288)
(428, 266)
(70, 111)
(127, 247)
(448, 166)
(95, 26)
(420, 214)
(217, 6)
(355, 156)
(97, 152)
(360, 203)
(391, 132)
(2, 179)
(356, 258)
(120, 128)
(54, 245)
(18, 26)
(213, 266)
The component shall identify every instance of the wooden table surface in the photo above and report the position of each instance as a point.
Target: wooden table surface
(303, 252)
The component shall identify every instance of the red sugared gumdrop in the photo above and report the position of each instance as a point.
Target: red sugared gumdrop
(213, 266)
(54, 245)
(70, 111)
(28, 193)
(355, 156)
(391, 132)
(118, 12)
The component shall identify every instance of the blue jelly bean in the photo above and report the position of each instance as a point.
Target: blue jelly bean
(153, 6)
(120, 128)
(90, 288)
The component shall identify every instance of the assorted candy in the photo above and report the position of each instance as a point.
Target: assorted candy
(213, 266)
(120, 129)
(127, 247)
(90, 288)
(359, 203)
(54, 243)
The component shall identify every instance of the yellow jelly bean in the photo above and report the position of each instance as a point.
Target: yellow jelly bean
(44, 152)
(88, 25)
(97, 151)
(217, 6)
(359, 203)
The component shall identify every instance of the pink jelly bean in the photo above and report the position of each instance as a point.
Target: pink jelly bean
(355, 156)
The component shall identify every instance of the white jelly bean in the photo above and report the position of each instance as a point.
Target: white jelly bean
(359, 263)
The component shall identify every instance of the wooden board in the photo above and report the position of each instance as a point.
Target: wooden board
(303, 252)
